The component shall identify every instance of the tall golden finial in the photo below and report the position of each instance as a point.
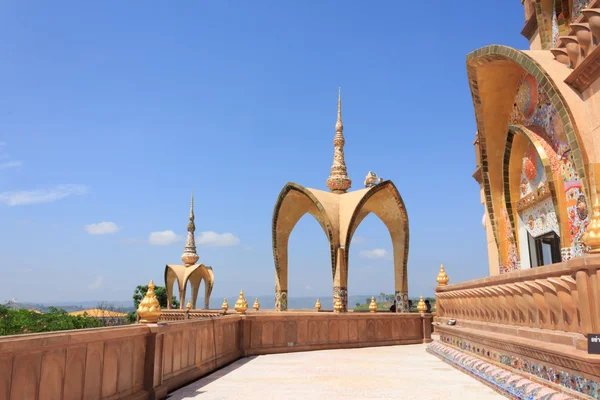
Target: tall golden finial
(338, 181)
(241, 305)
(256, 305)
(225, 305)
(189, 256)
(149, 309)
(421, 307)
(442, 278)
(318, 305)
(373, 305)
(591, 237)
(337, 306)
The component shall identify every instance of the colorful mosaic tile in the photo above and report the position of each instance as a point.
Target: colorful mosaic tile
(540, 370)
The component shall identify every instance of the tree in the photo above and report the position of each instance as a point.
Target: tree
(368, 301)
(161, 296)
(357, 304)
(18, 321)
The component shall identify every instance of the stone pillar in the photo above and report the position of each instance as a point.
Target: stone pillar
(340, 281)
(401, 301)
(281, 300)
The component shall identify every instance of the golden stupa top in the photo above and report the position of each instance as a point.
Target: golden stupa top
(189, 256)
(339, 181)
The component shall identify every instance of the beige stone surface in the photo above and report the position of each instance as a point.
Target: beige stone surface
(395, 372)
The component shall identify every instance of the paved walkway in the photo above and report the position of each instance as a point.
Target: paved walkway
(396, 372)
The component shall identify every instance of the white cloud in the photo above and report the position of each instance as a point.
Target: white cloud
(41, 195)
(359, 240)
(97, 282)
(213, 239)
(101, 228)
(163, 238)
(11, 164)
(375, 253)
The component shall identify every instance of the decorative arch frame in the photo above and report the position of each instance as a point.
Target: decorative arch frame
(494, 53)
(278, 236)
(400, 237)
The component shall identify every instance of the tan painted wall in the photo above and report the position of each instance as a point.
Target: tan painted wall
(148, 361)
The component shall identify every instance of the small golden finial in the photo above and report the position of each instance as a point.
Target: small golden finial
(421, 307)
(318, 305)
(241, 305)
(256, 305)
(225, 305)
(337, 306)
(591, 237)
(149, 309)
(373, 305)
(188, 306)
(442, 278)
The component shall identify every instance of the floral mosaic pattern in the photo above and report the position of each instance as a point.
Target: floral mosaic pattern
(532, 172)
(540, 218)
(578, 5)
(534, 110)
(342, 293)
(546, 372)
(512, 385)
(512, 257)
(281, 301)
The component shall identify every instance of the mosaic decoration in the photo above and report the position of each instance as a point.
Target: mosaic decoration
(578, 5)
(281, 300)
(510, 384)
(543, 120)
(532, 172)
(555, 33)
(540, 218)
(402, 302)
(551, 374)
(342, 293)
(512, 255)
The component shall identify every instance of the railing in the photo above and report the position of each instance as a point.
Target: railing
(147, 361)
(561, 297)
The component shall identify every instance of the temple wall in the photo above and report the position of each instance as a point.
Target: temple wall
(147, 361)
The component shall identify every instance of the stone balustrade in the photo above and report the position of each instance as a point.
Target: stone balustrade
(563, 297)
(147, 361)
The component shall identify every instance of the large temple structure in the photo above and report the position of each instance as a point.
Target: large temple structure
(538, 143)
(339, 213)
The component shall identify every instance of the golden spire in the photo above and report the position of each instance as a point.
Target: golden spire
(189, 256)
(149, 309)
(256, 305)
(442, 278)
(373, 305)
(241, 305)
(591, 237)
(225, 305)
(318, 305)
(338, 181)
(421, 307)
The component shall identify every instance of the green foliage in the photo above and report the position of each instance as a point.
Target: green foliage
(161, 296)
(19, 321)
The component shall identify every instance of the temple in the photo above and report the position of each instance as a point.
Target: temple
(339, 213)
(189, 271)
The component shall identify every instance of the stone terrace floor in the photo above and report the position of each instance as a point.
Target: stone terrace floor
(395, 372)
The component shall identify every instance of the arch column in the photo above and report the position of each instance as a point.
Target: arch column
(340, 280)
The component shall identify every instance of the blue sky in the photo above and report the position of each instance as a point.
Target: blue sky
(114, 112)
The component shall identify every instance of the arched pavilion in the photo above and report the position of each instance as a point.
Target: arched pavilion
(339, 213)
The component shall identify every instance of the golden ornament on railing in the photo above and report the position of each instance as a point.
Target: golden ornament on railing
(188, 306)
(318, 305)
(337, 306)
(241, 305)
(591, 237)
(225, 305)
(149, 309)
(256, 305)
(442, 278)
(373, 305)
(421, 307)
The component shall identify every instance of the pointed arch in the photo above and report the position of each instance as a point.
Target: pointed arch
(293, 202)
(384, 200)
(189, 273)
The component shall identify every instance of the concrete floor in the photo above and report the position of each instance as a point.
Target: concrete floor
(396, 372)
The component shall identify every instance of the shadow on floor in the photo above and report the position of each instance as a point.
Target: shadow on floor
(193, 389)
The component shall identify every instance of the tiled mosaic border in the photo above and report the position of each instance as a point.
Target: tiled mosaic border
(509, 384)
(489, 54)
(540, 370)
